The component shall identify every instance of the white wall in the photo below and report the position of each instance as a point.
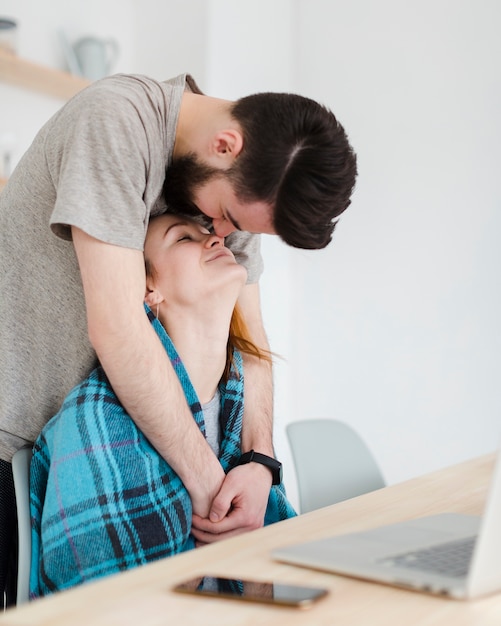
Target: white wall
(398, 320)
(394, 327)
(171, 38)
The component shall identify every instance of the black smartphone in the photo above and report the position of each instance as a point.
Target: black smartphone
(252, 591)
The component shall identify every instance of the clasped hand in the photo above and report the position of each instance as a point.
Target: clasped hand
(239, 506)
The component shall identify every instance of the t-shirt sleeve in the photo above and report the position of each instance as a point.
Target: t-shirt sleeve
(97, 153)
(247, 250)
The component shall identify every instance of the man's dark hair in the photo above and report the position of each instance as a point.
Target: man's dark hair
(183, 176)
(296, 156)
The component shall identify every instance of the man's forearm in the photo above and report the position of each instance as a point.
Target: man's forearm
(257, 431)
(143, 378)
(138, 367)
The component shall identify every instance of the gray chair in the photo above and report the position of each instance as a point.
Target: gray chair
(332, 463)
(21, 472)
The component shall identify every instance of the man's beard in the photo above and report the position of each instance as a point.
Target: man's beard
(183, 177)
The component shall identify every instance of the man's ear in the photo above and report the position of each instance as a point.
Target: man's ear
(227, 144)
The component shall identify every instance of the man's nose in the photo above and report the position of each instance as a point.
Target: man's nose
(222, 227)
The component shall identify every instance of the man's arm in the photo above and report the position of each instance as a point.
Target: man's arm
(257, 432)
(247, 487)
(138, 367)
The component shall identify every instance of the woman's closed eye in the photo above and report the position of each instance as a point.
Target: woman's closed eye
(180, 232)
(199, 232)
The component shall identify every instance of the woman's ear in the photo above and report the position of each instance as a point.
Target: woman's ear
(152, 297)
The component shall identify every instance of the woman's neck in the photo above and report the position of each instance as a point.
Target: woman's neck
(201, 342)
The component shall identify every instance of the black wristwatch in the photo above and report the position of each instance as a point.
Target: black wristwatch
(272, 464)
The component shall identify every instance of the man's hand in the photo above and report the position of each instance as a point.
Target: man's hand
(200, 490)
(240, 505)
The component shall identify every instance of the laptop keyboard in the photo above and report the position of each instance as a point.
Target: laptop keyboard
(450, 559)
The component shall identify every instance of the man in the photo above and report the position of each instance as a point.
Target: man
(266, 164)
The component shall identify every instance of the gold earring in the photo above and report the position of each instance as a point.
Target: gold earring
(158, 306)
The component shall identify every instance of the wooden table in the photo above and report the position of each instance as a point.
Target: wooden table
(142, 597)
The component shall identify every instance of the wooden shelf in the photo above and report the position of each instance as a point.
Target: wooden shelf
(22, 73)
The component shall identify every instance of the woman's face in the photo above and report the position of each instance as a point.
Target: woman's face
(189, 263)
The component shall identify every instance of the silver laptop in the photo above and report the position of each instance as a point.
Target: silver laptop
(452, 554)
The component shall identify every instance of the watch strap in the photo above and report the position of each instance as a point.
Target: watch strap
(268, 461)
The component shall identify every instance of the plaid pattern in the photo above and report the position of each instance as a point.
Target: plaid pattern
(102, 499)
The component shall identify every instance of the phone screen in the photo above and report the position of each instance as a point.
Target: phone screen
(252, 590)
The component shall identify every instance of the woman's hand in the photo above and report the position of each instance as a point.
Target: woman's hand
(239, 507)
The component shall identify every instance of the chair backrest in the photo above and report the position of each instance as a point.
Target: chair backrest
(21, 472)
(332, 463)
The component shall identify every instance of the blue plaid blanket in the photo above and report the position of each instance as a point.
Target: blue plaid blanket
(102, 499)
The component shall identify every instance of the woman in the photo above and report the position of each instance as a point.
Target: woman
(102, 499)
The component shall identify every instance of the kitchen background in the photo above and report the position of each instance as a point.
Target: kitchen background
(395, 327)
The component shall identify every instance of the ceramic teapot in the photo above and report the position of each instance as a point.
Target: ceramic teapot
(91, 57)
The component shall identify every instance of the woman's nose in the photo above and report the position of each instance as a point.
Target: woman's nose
(214, 240)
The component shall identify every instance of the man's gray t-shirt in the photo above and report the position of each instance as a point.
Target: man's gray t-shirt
(98, 164)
